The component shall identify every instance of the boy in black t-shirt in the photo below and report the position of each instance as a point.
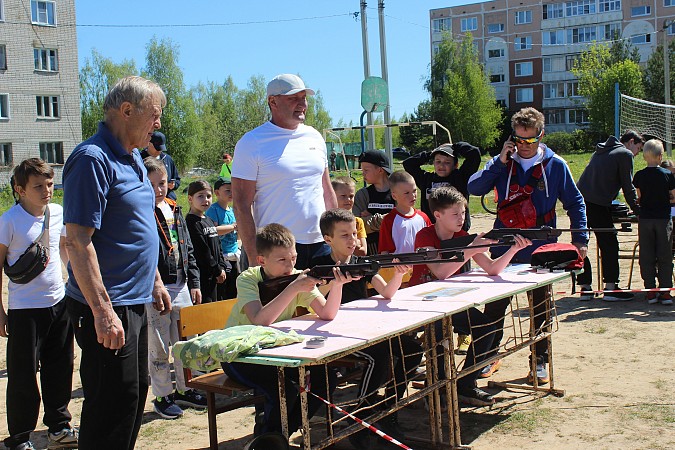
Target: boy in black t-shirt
(338, 227)
(655, 185)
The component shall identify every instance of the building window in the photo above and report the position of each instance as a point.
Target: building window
(612, 31)
(524, 69)
(441, 25)
(496, 53)
(4, 106)
(554, 64)
(555, 116)
(581, 35)
(469, 24)
(523, 17)
(554, 90)
(501, 102)
(555, 11)
(496, 27)
(5, 154)
(52, 152)
(3, 57)
(47, 106)
(637, 11)
(570, 60)
(578, 116)
(43, 12)
(671, 29)
(573, 89)
(2, 11)
(497, 78)
(523, 43)
(46, 59)
(580, 8)
(610, 5)
(524, 95)
(665, 3)
(555, 37)
(641, 39)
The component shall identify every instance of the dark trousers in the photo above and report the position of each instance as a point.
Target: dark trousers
(264, 380)
(307, 251)
(656, 258)
(496, 312)
(601, 217)
(228, 289)
(475, 323)
(407, 355)
(115, 382)
(39, 339)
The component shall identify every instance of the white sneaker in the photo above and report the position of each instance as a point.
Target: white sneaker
(66, 438)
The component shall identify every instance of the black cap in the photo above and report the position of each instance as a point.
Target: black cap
(444, 149)
(221, 181)
(376, 157)
(159, 141)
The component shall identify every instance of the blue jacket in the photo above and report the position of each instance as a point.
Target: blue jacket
(558, 184)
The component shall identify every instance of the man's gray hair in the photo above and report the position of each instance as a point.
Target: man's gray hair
(134, 90)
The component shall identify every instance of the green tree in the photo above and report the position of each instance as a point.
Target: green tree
(598, 71)
(180, 122)
(419, 138)
(654, 73)
(462, 98)
(97, 76)
(317, 116)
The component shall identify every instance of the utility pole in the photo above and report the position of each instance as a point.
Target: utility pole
(366, 68)
(385, 76)
(666, 86)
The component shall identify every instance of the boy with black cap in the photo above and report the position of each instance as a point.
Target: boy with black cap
(447, 172)
(157, 149)
(222, 215)
(373, 202)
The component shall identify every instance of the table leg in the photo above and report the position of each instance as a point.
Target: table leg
(283, 409)
(433, 399)
(304, 380)
(451, 387)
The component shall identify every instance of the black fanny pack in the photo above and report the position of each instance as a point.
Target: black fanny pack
(34, 260)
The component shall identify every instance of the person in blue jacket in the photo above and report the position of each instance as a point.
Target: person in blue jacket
(529, 178)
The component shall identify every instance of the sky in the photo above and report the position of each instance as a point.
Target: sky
(318, 39)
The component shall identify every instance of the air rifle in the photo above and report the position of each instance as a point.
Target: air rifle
(452, 250)
(545, 232)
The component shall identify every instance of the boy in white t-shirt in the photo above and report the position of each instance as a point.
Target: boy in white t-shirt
(36, 325)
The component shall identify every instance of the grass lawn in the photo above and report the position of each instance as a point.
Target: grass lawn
(576, 162)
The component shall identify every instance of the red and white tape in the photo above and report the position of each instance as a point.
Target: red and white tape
(359, 421)
(605, 291)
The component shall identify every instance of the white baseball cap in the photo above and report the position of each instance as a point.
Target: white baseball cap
(287, 84)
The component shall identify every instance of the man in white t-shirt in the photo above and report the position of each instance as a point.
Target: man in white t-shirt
(280, 173)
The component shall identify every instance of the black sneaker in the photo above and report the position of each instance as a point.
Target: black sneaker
(618, 296)
(189, 399)
(166, 408)
(475, 397)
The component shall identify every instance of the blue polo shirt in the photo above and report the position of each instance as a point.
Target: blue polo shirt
(108, 189)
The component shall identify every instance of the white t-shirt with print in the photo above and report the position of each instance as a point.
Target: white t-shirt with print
(18, 229)
(287, 166)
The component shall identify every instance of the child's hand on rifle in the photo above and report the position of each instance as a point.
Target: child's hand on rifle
(341, 278)
(305, 283)
(402, 270)
(520, 242)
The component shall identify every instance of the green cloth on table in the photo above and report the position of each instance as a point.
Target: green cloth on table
(206, 352)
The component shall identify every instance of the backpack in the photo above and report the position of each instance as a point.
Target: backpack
(557, 256)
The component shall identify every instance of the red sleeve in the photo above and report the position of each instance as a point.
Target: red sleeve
(426, 218)
(386, 243)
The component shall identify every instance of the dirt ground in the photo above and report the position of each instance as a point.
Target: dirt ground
(612, 359)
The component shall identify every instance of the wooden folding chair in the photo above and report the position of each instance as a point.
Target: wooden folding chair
(199, 319)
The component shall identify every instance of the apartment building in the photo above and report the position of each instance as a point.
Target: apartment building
(529, 46)
(39, 86)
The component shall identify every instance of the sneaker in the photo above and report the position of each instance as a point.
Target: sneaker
(586, 294)
(463, 344)
(618, 296)
(666, 299)
(190, 399)
(490, 369)
(542, 374)
(66, 438)
(475, 397)
(652, 298)
(28, 445)
(165, 407)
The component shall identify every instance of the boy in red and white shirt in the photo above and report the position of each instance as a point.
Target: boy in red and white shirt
(400, 226)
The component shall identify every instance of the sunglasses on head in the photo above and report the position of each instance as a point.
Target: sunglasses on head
(530, 140)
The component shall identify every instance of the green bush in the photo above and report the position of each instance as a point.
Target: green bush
(563, 143)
